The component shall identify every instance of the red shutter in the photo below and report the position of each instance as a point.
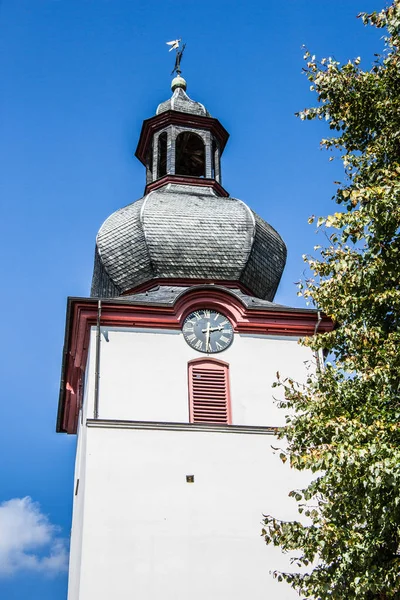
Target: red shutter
(209, 391)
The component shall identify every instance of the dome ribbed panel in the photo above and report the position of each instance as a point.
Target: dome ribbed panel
(197, 235)
(122, 249)
(267, 260)
(102, 284)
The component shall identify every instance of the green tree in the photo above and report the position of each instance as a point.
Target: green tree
(346, 428)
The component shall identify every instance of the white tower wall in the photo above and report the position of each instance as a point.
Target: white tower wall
(140, 530)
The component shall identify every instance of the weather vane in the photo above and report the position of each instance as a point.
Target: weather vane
(175, 46)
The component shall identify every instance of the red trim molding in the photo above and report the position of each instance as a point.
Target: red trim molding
(83, 315)
(183, 180)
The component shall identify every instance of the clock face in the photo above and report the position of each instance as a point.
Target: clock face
(208, 331)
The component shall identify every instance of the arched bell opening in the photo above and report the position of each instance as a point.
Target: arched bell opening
(162, 154)
(190, 156)
(149, 163)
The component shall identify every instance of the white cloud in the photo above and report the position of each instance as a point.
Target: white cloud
(28, 541)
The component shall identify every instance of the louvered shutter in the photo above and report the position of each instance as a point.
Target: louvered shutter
(209, 392)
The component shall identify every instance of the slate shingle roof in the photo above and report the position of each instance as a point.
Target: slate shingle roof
(187, 232)
(166, 295)
(181, 102)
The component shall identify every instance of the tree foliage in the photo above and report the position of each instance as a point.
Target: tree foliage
(346, 428)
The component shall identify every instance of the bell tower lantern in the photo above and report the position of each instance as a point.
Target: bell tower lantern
(182, 143)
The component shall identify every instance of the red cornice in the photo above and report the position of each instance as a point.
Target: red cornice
(83, 314)
(183, 180)
(172, 117)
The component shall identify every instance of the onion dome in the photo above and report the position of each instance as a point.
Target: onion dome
(187, 233)
(186, 228)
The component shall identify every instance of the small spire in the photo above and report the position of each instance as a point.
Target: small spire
(178, 57)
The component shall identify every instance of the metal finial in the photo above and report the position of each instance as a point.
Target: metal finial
(175, 46)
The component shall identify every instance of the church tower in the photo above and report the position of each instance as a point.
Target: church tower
(166, 380)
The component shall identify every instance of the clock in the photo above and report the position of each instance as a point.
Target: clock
(208, 331)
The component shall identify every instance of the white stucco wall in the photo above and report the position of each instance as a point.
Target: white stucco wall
(139, 529)
(149, 534)
(144, 375)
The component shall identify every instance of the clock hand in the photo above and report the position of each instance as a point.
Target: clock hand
(211, 329)
(208, 336)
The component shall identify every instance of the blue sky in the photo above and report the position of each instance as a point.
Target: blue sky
(77, 77)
